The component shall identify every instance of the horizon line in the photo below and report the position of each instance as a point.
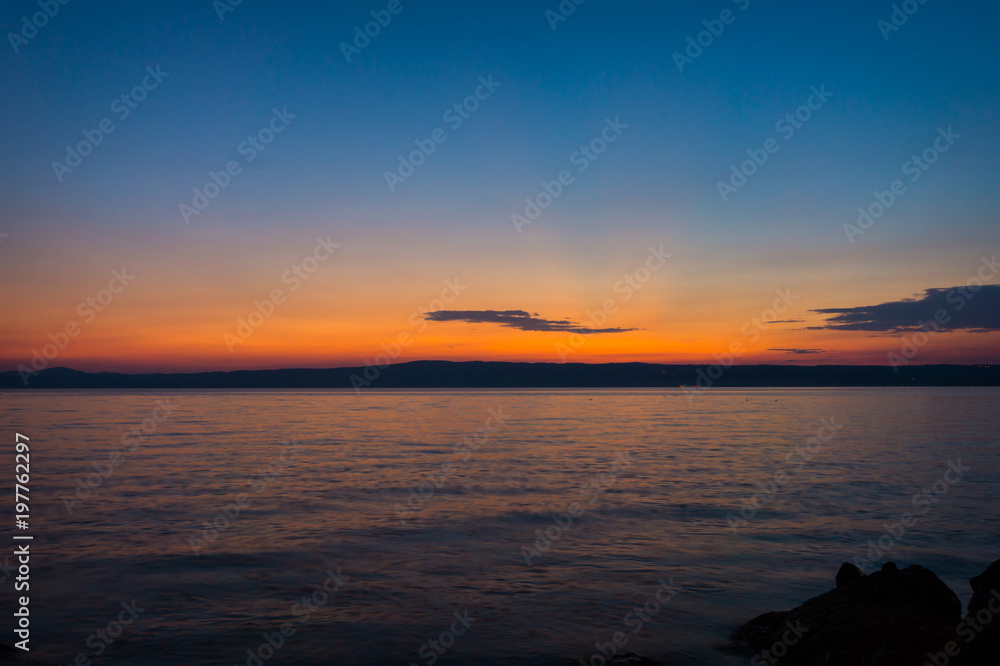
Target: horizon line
(983, 364)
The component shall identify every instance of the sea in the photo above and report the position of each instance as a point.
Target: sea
(453, 527)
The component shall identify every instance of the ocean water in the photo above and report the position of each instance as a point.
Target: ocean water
(547, 517)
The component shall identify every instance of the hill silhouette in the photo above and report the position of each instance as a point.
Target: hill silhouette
(482, 374)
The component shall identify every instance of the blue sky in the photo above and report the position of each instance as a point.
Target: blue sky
(558, 87)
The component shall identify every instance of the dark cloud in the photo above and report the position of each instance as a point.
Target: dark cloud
(518, 319)
(786, 321)
(960, 308)
(799, 351)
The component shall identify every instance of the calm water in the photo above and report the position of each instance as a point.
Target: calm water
(331, 506)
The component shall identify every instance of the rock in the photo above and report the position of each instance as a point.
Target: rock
(984, 586)
(980, 630)
(848, 574)
(892, 617)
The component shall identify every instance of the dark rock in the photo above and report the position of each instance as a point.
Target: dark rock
(892, 617)
(984, 586)
(848, 574)
(980, 630)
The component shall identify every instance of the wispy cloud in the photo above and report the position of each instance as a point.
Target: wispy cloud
(962, 308)
(520, 320)
(798, 351)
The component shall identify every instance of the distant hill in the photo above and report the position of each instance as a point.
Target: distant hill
(478, 374)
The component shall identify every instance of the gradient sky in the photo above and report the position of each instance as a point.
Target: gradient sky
(656, 184)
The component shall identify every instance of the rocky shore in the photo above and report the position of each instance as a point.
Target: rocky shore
(892, 617)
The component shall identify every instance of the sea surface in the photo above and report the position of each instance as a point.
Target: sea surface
(324, 488)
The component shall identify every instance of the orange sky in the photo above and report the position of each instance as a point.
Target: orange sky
(592, 129)
(175, 314)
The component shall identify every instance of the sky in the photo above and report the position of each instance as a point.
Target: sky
(204, 185)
